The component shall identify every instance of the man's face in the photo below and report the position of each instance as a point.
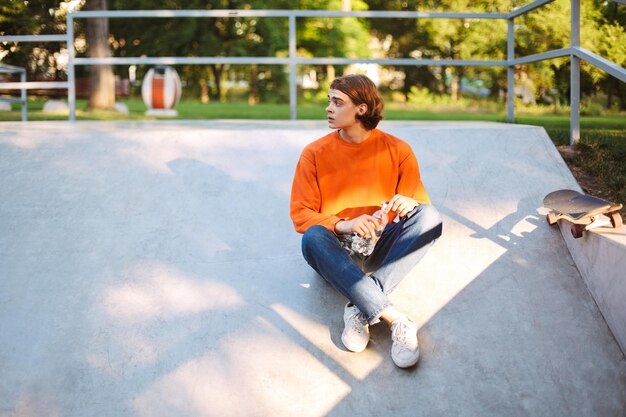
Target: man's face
(341, 111)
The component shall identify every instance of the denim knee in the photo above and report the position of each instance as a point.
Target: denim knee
(430, 216)
(426, 218)
(312, 237)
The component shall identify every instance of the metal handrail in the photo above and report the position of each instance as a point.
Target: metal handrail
(10, 69)
(575, 52)
(292, 60)
(287, 13)
(23, 85)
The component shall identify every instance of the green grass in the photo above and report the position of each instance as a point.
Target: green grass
(308, 111)
(602, 156)
(187, 110)
(601, 152)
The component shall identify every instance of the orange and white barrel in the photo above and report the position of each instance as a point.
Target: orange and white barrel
(161, 88)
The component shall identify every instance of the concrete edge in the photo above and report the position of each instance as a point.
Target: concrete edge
(600, 256)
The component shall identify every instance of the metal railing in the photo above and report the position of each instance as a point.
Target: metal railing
(292, 60)
(575, 52)
(10, 69)
(23, 85)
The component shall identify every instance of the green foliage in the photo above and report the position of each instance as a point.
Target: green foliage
(14, 19)
(192, 37)
(601, 32)
(602, 156)
(422, 99)
(602, 27)
(332, 37)
(406, 38)
(33, 17)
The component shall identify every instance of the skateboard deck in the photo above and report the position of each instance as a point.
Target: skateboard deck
(585, 212)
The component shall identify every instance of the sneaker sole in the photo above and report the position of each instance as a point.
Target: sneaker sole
(407, 364)
(355, 349)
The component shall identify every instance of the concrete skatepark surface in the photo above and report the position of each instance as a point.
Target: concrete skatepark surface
(151, 269)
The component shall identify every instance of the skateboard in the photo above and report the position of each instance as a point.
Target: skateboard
(585, 212)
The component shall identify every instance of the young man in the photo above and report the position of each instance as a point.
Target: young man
(339, 184)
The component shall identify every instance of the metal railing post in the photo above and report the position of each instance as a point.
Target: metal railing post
(23, 97)
(293, 87)
(71, 78)
(510, 72)
(574, 133)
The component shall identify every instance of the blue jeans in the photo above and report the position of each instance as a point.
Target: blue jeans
(366, 281)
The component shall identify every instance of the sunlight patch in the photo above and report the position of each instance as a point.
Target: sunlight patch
(360, 366)
(157, 290)
(256, 371)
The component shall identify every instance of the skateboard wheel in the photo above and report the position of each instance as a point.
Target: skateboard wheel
(577, 231)
(616, 220)
(551, 217)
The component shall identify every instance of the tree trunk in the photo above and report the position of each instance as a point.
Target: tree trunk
(330, 75)
(101, 78)
(454, 86)
(609, 93)
(253, 92)
(204, 91)
(217, 76)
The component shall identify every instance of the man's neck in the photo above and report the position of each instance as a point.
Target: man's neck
(355, 134)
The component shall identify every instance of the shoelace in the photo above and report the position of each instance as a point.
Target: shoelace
(357, 325)
(400, 335)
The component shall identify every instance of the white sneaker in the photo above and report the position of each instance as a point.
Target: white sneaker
(356, 334)
(405, 351)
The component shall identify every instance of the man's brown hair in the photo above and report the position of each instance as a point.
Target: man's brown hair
(362, 90)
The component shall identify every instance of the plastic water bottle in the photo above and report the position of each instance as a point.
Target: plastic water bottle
(364, 245)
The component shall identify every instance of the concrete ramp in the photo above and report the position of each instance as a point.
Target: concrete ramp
(150, 269)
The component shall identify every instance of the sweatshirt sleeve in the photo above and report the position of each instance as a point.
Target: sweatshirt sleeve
(306, 198)
(410, 182)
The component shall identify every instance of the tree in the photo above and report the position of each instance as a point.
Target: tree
(42, 58)
(34, 17)
(237, 36)
(101, 78)
(405, 38)
(539, 31)
(441, 39)
(333, 37)
(222, 36)
(609, 42)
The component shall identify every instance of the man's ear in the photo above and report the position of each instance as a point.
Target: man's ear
(362, 109)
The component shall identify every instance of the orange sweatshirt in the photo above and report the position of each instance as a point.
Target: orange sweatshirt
(336, 180)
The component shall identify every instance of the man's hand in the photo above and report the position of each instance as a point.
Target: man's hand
(364, 225)
(402, 205)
